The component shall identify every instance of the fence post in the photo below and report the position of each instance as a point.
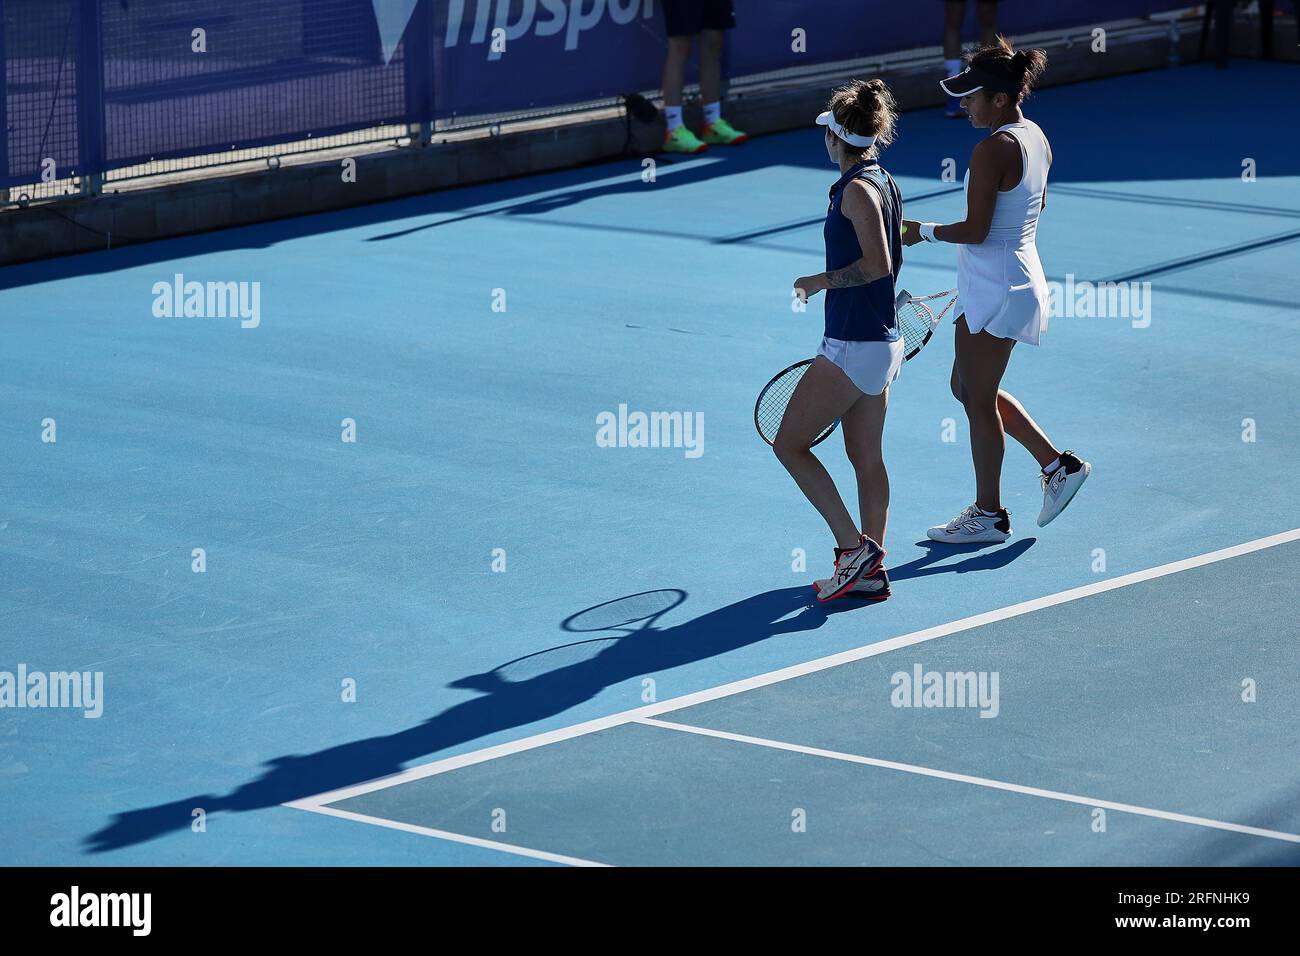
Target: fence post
(417, 64)
(4, 113)
(437, 62)
(90, 97)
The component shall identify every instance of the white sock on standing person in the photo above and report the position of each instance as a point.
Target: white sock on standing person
(712, 113)
(672, 117)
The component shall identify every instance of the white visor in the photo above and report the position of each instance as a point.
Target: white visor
(853, 139)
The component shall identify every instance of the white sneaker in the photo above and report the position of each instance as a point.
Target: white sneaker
(849, 567)
(973, 526)
(1062, 486)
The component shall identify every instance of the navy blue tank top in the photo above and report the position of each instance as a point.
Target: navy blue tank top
(863, 313)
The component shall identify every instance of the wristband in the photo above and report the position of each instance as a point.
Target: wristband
(927, 231)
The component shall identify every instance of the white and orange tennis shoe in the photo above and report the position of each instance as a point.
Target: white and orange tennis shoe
(850, 566)
(869, 587)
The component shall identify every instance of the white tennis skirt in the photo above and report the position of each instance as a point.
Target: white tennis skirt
(1003, 290)
(871, 366)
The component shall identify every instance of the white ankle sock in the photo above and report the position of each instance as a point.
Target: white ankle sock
(712, 113)
(672, 117)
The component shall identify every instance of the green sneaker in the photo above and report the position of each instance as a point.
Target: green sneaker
(721, 133)
(682, 140)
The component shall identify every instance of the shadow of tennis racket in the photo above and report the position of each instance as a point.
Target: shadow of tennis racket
(633, 614)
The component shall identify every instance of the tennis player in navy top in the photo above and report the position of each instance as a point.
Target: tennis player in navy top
(861, 352)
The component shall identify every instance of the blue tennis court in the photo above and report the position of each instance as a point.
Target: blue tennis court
(397, 487)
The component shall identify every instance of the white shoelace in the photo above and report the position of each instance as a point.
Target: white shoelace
(970, 512)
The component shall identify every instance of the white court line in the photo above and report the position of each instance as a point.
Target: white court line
(787, 673)
(454, 837)
(976, 781)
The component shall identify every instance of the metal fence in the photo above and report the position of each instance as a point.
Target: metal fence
(129, 86)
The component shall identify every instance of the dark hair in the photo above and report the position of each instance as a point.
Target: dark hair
(1021, 67)
(865, 108)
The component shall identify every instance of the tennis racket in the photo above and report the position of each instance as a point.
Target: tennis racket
(917, 320)
(775, 396)
(641, 609)
(919, 317)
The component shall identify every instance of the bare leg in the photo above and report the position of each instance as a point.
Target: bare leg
(981, 361)
(953, 15)
(988, 18)
(1016, 422)
(864, 425)
(710, 66)
(823, 395)
(679, 51)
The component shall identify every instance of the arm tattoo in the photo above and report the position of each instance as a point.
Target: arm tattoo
(850, 275)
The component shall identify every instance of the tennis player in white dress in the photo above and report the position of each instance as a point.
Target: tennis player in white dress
(1001, 286)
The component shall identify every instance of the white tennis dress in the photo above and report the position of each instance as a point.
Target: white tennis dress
(1000, 280)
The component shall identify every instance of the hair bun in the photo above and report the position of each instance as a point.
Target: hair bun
(1022, 67)
(867, 108)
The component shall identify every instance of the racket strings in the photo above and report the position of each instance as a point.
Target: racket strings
(915, 322)
(771, 407)
(773, 401)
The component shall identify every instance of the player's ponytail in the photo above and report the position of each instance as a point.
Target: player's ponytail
(1028, 66)
(1021, 67)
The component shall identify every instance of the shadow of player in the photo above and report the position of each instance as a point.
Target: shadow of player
(501, 706)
